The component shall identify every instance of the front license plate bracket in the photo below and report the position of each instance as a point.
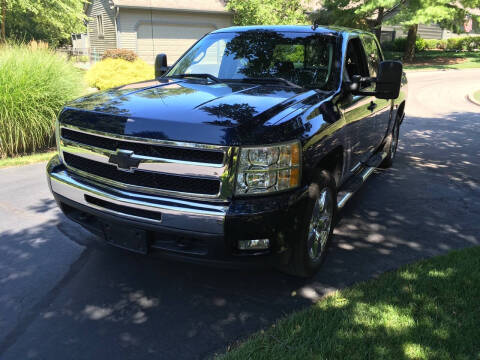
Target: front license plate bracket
(126, 237)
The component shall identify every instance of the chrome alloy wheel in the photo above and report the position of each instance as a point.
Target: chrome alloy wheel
(320, 225)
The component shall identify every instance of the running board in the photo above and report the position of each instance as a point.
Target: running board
(354, 183)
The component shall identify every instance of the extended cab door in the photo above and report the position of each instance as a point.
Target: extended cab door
(359, 110)
(382, 107)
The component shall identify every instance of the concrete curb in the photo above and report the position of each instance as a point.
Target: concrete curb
(471, 98)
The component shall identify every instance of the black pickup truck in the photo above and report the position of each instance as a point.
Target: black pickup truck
(243, 151)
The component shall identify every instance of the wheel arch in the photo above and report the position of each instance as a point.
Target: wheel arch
(400, 111)
(333, 163)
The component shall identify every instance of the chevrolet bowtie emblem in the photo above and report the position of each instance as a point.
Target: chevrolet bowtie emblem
(124, 160)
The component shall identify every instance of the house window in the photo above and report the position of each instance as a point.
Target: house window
(100, 25)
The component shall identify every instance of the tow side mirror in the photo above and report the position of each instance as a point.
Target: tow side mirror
(160, 65)
(389, 79)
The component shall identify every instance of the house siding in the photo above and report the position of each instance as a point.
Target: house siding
(424, 31)
(99, 44)
(135, 30)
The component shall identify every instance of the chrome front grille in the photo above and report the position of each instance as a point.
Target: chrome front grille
(187, 170)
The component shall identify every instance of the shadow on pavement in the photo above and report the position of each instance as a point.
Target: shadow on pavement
(129, 306)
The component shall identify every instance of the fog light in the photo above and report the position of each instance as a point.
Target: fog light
(257, 244)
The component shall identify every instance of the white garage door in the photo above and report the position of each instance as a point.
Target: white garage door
(172, 40)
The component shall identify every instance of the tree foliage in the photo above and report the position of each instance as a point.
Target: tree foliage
(267, 12)
(363, 14)
(366, 14)
(371, 14)
(52, 21)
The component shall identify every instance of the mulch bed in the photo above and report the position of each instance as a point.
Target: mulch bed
(436, 61)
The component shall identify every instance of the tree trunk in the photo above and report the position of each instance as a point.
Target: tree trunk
(378, 23)
(4, 11)
(411, 38)
(4, 16)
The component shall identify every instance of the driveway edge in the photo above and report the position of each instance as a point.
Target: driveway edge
(471, 98)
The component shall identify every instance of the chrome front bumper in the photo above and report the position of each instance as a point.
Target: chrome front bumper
(176, 214)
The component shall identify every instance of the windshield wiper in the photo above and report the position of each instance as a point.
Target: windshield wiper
(271, 80)
(202, 76)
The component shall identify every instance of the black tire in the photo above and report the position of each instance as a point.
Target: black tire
(391, 146)
(301, 262)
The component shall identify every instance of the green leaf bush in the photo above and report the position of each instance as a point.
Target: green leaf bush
(431, 44)
(465, 43)
(34, 86)
(399, 44)
(111, 73)
(420, 45)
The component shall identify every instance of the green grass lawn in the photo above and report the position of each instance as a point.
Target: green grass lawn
(27, 159)
(476, 95)
(438, 60)
(428, 310)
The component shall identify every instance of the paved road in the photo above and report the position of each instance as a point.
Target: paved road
(64, 297)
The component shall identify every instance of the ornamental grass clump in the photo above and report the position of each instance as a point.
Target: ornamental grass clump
(35, 83)
(111, 73)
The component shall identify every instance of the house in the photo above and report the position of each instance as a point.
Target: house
(80, 44)
(432, 31)
(150, 27)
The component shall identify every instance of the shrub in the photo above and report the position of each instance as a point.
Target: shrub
(34, 85)
(110, 73)
(442, 44)
(463, 43)
(471, 42)
(431, 44)
(399, 44)
(420, 44)
(454, 44)
(124, 54)
(82, 58)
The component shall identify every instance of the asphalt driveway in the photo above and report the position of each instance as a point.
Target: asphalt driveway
(64, 296)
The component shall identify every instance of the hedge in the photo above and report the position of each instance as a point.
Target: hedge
(400, 44)
(466, 43)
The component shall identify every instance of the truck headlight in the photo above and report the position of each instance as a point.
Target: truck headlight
(268, 169)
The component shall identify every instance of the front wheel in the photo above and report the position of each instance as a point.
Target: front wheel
(391, 146)
(316, 228)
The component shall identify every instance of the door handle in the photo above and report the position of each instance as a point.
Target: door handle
(372, 106)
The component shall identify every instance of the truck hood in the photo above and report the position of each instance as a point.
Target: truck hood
(193, 111)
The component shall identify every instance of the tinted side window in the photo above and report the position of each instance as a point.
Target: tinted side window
(355, 60)
(373, 54)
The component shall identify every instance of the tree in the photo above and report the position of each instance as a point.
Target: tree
(367, 14)
(267, 12)
(370, 14)
(4, 14)
(48, 20)
(445, 12)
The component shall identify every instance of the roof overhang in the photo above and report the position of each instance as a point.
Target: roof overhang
(204, 6)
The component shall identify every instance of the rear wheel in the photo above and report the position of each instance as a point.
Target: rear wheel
(316, 228)
(391, 146)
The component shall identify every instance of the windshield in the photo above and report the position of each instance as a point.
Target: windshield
(306, 60)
